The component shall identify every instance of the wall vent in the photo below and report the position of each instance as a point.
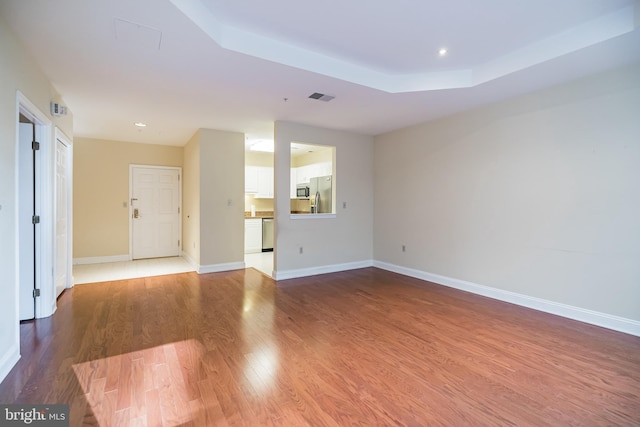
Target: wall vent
(321, 97)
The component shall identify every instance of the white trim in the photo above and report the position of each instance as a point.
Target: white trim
(324, 269)
(216, 268)
(101, 259)
(9, 360)
(604, 320)
(190, 260)
(312, 216)
(32, 112)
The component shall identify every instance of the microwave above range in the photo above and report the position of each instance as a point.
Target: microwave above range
(302, 191)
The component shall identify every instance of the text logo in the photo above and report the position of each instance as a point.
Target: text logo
(34, 415)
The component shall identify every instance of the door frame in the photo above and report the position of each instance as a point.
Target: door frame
(46, 304)
(62, 137)
(131, 168)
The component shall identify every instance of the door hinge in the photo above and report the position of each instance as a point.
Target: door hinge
(35, 145)
(178, 242)
(178, 209)
(178, 177)
(35, 219)
(36, 293)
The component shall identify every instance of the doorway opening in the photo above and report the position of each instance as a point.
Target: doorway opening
(259, 203)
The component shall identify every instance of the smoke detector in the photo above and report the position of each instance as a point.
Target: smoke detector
(321, 97)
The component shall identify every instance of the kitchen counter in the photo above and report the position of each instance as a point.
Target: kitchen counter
(259, 214)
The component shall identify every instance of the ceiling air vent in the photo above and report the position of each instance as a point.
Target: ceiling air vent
(321, 97)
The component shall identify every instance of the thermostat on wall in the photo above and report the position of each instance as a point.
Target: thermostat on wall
(58, 109)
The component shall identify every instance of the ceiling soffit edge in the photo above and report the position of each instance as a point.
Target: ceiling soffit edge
(571, 40)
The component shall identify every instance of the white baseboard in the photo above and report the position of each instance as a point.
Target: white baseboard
(215, 268)
(9, 360)
(190, 260)
(604, 320)
(101, 259)
(312, 271)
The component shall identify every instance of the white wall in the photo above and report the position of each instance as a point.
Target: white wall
(221, 200)
(101, 190)
(538, 195)
(329, 244)
(18, 72)
(213, 200)
(191, 200)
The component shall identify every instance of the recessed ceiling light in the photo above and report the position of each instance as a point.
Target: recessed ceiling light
(140, 124)
(442, 51)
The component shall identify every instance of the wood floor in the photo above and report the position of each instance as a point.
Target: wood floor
(365, 347)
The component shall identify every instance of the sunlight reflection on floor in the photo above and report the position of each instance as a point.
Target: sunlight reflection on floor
(153, 386)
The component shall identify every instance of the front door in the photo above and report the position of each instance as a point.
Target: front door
(155, 212)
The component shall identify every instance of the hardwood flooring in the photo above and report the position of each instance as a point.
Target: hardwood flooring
(364, 347)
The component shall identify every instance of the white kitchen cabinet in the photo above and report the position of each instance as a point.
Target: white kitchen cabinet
(292, 183)
(265, 182)
(252, 235)
(250, 179)
(259, 180)
(302, 174)
(305, 173)
(320, 169)
(325, 169)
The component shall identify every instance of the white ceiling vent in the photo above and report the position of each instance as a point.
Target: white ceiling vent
(321, 97)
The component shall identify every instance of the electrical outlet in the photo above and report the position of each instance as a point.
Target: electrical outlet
(344, 205)
(301, 250)
(404, 248)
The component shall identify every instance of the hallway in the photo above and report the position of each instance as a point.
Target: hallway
(110, 271)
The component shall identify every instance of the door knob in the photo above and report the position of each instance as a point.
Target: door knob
(136, 214)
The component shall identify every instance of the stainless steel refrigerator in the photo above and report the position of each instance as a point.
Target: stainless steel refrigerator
(320, 189)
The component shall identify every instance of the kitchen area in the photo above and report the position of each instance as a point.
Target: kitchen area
(311, 192)
(258, 207)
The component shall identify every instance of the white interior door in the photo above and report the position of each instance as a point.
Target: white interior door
(62, 216)
(26, 230)
(155, 212)
(36, 243)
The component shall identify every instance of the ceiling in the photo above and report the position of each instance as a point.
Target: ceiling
(180, 65)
